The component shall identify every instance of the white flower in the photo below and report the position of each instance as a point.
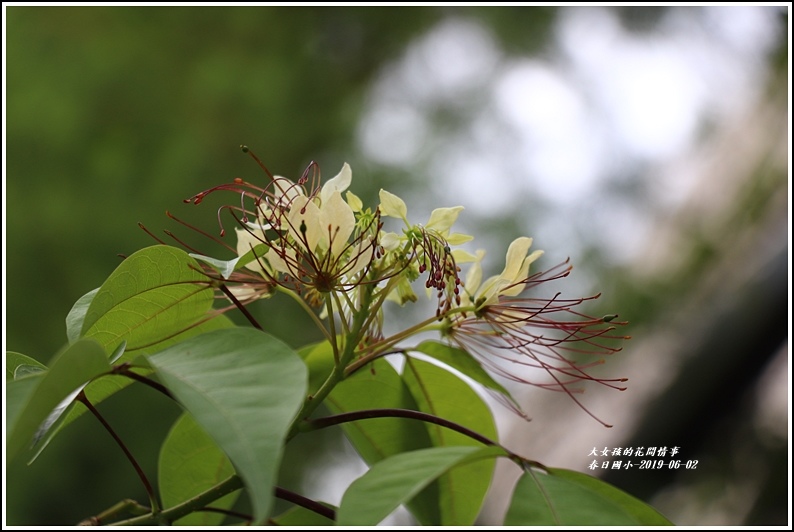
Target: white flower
(440, 222)
(508, 283)
(312, 232)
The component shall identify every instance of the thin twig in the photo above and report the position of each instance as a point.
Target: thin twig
(240, 306)
(309, 504)
(146, 484)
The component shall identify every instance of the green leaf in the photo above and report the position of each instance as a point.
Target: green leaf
(243, 387)
(155, 293)
(378, 385)
(439, 392)
(397, 479)
(227, 267)
(465, 363)
(100, 390)
(76, 316)
(15, 361)
(569, 498)
(300, 516)
(190, 463)
(18, 394)
(32, 399)
(23, 370)
(156, 298)
(319, 359)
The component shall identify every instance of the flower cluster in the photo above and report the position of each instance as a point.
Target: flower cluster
(332, 254)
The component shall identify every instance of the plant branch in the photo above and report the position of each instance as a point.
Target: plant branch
(309, 504)
(198, 502)
(125, 506)
(347, 417)
(125, 370)
(240, 306)
(231, 513)
(146, 484)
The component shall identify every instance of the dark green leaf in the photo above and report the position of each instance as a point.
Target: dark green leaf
(190, 463)
(15, 360)
(378, 385)
(100, 390)
(397, 479)
(319, 359)
(17, 395)
(227, 267)
(569, 498)
(156, 298)
(300, 516)
(243, 387)
(76, 316)
(29, 405)
(465, 363)
(154, 294)
(23, 370)
(439, 392)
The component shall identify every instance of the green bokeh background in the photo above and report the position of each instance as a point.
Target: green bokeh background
(116, 114)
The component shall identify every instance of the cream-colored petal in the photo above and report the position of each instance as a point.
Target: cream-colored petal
(361, 257)
(402, 293)
(285, 190)
(305, 213)
(277, 263)
(354, 201)
(246, 241)
(516, 289)
(462, 256)
(474, 275)
(391, 205)
(489, 291)
(339, 183)
(515, 258)
(442, 219)
(243, 292)
(456, 239)
(337, 221)
(513, 289)
(390, 241)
